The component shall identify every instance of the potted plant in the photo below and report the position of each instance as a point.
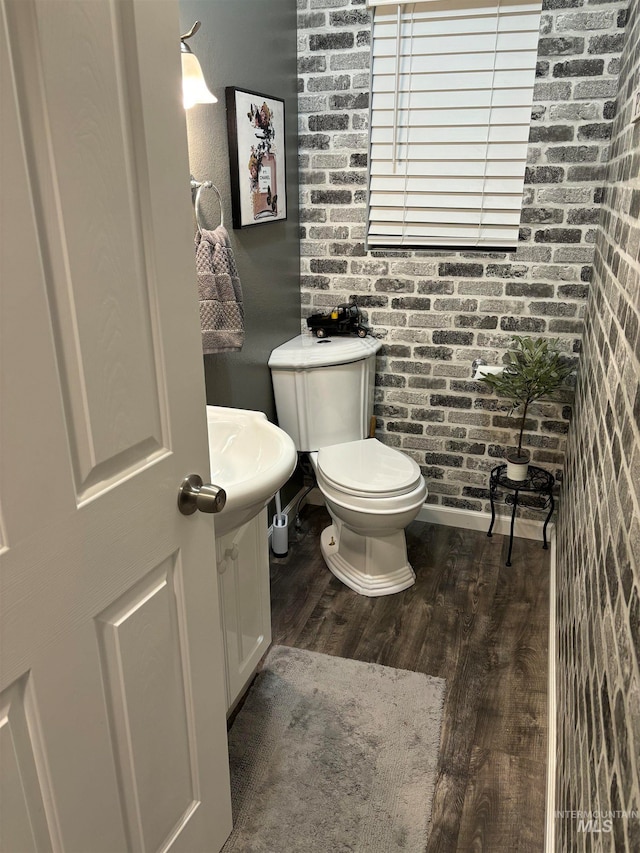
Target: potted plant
(535, 368)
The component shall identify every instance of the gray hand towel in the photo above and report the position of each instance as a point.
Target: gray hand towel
(219, 292)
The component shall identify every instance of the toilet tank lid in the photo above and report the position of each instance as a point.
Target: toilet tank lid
(305, 351)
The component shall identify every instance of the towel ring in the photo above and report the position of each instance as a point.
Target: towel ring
(199, 186)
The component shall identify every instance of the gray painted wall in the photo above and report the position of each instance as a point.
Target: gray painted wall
(250, 44)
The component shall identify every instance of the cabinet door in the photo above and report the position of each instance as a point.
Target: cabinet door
(243, 573)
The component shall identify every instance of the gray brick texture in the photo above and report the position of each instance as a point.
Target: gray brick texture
(598, 566)
(421, 300)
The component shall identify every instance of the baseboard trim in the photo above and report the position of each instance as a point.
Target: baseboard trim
(549, 838)
(525, 528)
(468, 519)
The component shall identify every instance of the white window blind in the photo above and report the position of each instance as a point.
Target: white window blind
(451, 93)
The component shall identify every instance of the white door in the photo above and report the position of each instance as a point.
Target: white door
(112, 719)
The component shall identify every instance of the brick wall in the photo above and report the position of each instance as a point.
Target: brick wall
(599, 522)
(437, 311)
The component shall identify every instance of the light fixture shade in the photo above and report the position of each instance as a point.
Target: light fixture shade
(194, 88)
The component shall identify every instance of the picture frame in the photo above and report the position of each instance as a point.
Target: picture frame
(255, 127)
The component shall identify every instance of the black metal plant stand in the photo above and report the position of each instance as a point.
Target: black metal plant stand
(538, 481)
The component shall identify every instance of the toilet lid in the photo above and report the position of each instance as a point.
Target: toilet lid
(368, 467)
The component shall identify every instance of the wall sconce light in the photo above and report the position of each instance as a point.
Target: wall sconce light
(194, 87)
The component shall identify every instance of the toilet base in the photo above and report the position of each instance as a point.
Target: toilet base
(369, 565)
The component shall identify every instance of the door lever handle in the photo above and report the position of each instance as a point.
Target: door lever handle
(193, 494)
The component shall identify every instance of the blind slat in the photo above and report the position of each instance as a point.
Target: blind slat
(465, 184)
(465, 81)
(453, 118)
(457, 232)
(453, 100)
(472, 42)
(443, 166)
(442, 230)
(435, 152)
(468, 200)
(458, 133)
(445, 64)
(449, 215)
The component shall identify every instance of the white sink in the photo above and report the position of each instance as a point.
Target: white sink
(251, 459)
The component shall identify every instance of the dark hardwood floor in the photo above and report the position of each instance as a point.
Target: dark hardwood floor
(470, 620)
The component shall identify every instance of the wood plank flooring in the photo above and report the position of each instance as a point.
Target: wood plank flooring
(471, 620)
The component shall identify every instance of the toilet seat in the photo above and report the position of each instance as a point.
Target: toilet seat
(381, 505)
(367, 469)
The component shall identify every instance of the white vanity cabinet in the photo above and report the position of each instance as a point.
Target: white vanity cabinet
(242, 557)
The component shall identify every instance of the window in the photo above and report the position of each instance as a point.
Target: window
(451, 93)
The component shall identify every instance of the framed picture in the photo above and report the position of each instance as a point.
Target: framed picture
(255, 124)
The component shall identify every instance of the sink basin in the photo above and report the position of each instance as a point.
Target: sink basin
(251, 459)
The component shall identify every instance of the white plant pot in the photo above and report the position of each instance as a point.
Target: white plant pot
(517, 471)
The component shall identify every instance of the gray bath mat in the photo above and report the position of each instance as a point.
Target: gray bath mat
(331, 755)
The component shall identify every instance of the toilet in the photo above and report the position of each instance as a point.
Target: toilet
(324, 399)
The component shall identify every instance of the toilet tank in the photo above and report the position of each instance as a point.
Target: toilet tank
(324, 388)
